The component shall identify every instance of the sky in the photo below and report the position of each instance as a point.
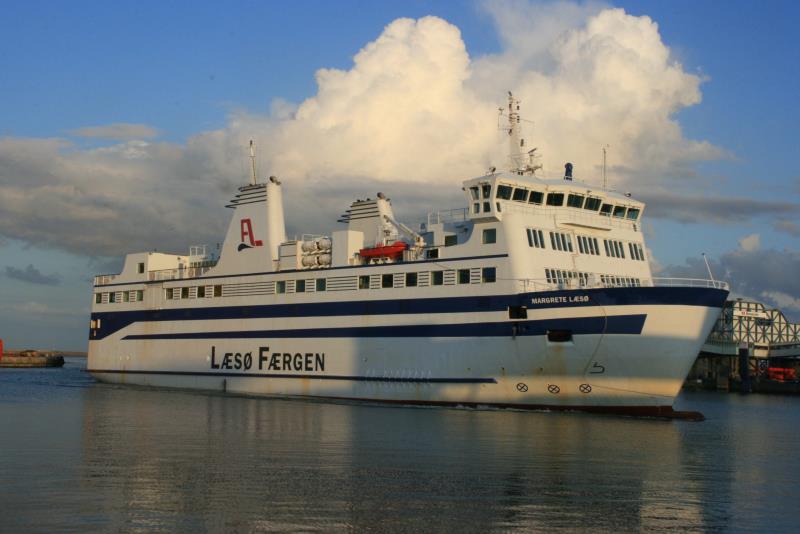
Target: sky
(124, 126)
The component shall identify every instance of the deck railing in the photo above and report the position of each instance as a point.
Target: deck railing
(536, 285)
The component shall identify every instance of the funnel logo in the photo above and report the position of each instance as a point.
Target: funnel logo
(247, 236)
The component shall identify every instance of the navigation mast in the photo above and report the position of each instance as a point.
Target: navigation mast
(521, 161)
(253, 178)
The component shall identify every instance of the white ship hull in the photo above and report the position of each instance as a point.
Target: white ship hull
(630, 354)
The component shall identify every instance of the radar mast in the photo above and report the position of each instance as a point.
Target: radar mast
(521, 161)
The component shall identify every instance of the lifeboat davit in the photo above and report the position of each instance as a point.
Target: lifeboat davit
(384, 252)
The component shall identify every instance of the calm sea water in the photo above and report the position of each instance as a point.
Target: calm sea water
(76, 455)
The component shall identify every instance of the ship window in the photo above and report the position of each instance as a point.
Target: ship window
(184, 292)
(503, 192)
(463, 276)
(575, 201)
(411, 279)
(140, 268)
(535, 238)
(487, 207)
(592, 204)
(633, 213)
(300, 286)
(520, 194)
(555, 199)
(536, 197)
(476, 208)
(217, 291)
(321, 284)
(450, 240)
(619, 211)
(580, 244)
(474, 192)
(517, 312)
(126, 296)
(605, 209)
(499, 209)
(387, 280)
(280, 286)
(201, 292)
(488, 275)
(489, 236)
(432, 253)
(363, 282)
(437, 278)
(98, 298)
(486, 189)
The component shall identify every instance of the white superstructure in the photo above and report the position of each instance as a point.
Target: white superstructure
(537, 294)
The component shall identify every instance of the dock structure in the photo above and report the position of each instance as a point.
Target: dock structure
(29, 358)
(752, 348)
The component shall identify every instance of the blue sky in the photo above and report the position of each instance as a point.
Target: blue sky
(185, 69)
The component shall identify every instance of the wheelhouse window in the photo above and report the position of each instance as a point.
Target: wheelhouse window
(387, 280)
(487, 207)
(520, 194)
(476, 207)
(555, 199)
(300, 286)
(450, 240)
(575, 201)
(605, 209)
(140, 268)
(489, 236)
(321, 284)
(411, 279)
(463, 276)
(537, 197)
(619, 211)
(592, 203)
(437, 278)
(486, 189)
(633, 213)
(503, 192)
(488, 275)
(363, 282)
(473, 191)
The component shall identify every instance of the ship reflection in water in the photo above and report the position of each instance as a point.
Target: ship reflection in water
(117, 458)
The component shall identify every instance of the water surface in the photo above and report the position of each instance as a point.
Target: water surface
(76, 455)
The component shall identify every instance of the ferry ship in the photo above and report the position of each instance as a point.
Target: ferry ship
(537, 294)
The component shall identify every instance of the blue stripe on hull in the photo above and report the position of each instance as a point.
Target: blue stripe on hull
(615, 324)
(112, 322)
(316, 377)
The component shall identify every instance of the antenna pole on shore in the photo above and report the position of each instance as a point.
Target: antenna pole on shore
(253, 178)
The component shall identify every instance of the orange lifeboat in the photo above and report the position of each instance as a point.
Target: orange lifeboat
(382, 252)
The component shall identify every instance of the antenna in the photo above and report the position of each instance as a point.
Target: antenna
(521, 162)
(708, 267)
(605, 177)
(253, 178)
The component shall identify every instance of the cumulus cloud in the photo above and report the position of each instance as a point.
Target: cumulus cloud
(750, 243)
(414, 113)
(782, 300)
(119, 131)
(32, 275)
